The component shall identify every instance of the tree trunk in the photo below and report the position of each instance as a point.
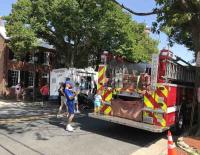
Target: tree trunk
(196, 42)
(197, 83)
(72, 57)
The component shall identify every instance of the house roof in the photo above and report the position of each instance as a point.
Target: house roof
(45, 44)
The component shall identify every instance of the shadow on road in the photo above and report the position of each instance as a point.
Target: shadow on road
(119, 132)
(12, 116)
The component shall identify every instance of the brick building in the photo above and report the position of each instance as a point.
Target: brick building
(30, 71)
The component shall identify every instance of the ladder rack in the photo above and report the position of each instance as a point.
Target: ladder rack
(178, 72)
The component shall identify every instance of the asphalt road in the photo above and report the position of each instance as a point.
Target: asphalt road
(46, 136)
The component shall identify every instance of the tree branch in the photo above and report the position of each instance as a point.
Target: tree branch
(155, 11)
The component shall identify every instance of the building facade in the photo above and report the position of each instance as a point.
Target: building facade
(32, 70)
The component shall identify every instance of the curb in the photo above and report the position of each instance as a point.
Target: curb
(186, 147)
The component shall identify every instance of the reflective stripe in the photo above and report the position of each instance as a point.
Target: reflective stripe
(164, 90)
(108, 110)
(157, 99)
(171, 146)
(170, 138)
(109, 97)
(101, 77)
(169, 110)
(172, 109)
(163, 122)
(105, 109)
(160, 119)
(148, 103)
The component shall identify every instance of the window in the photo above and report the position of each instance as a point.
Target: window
(13, 77)
(30, 79)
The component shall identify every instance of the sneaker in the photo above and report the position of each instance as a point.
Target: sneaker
(69, 128)
(78, 112)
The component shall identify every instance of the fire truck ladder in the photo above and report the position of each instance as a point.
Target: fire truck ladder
(178, 72)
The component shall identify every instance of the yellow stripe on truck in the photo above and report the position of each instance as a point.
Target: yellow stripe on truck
(101, 72)
(160, 119)
(148, 103)
(108, 110)
(109, 97)
(164, 90)
(157, 99)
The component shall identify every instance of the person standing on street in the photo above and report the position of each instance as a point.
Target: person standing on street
(70, 103)
(45, 93)
(18, 91)
(62, 99)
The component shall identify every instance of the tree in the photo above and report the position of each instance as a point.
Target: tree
(79, 30)
(181, 21)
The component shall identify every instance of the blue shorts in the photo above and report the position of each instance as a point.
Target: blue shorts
(70, 105)
(97, 104)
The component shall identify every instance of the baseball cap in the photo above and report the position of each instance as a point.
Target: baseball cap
(70, 83)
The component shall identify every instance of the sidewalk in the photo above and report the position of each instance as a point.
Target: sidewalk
(191, 145)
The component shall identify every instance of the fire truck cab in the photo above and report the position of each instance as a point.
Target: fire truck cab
(152, 97)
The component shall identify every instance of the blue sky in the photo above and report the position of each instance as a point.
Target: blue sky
(136, 5)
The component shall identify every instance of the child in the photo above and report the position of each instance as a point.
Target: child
(97, 102)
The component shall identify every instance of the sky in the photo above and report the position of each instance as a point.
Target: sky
(138, 6)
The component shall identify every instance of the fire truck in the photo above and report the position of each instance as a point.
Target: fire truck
(150, 96)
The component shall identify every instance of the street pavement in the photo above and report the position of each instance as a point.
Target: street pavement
(29, 129)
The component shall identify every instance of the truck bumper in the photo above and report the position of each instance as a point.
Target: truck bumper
(130, 123)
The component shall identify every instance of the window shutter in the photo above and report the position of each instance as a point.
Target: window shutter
(36, 79)
(10, 78)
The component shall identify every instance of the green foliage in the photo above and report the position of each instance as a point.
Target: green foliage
(23, 39)
(180, 20)
(93, 26)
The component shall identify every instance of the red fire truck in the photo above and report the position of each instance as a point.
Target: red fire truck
(152, 97)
